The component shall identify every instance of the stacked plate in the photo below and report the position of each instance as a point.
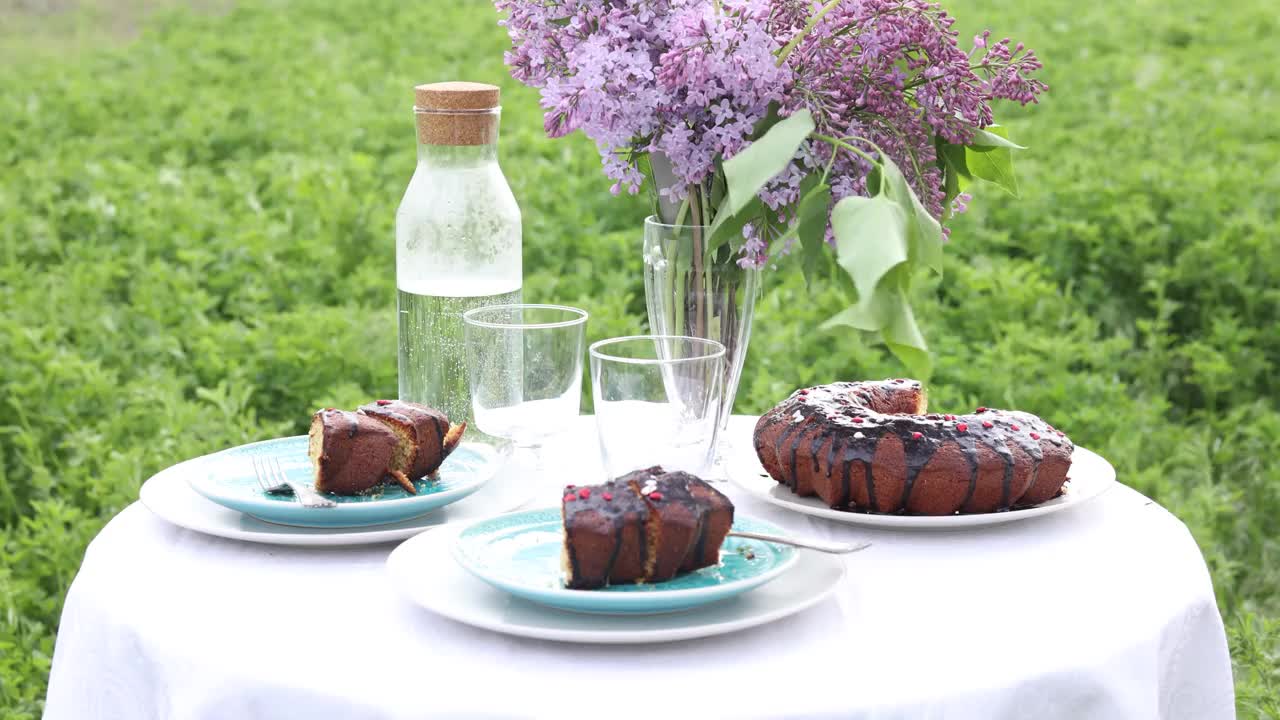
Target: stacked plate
(504, 574)
(219, 495)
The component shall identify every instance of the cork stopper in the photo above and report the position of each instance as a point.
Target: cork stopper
(456, 113)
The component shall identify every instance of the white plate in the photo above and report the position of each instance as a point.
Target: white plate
(1090, 476)
(424, 571)
(230, 478)
(169, 495)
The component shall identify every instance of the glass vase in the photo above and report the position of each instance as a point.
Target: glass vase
(698, 293)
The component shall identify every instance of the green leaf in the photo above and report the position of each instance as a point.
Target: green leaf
(890, 314)
(953, 156)
(811, 226)
(995, 166)
(771, 118)
(903, 335)
(717, 190)
(727, 227)
(748, 171)
(870, 239)
(873, 181)
(955, 173)
(923, 231)
(994, 136)
(950, 190)
(874, 249)
(990, 158)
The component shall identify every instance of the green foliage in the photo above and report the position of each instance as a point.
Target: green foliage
(196, 251)
(881, 241)
(747, 172)
(811, 226)
(994, 162)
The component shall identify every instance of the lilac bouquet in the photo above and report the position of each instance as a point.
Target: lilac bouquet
(846, 129)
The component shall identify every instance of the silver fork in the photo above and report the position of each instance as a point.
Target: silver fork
(272, 480)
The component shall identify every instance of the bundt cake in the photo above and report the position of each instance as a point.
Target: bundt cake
(646, 526)
(871, 447)
(355, 452)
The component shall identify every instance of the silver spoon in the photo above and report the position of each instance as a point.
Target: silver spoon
(820, 546)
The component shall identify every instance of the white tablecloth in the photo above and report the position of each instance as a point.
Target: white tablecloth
(1103, 611)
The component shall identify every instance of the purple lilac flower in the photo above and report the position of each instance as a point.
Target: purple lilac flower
(848, 75)
(690, 79)
(718, 74)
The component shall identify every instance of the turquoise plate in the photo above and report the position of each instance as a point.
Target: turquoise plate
(520, 554)
(228, 479)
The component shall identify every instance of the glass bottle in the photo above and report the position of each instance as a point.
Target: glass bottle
(458, 241)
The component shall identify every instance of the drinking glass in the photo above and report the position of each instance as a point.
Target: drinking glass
(657, 402)
(692, 288)
(524, 366)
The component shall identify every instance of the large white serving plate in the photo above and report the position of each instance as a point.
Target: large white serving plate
(1090, 476)
(424, 571)
(169, 495)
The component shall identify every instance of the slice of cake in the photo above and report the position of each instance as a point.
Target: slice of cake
(715, 522)
(426, 437)
(675, 524)
(646, 526)
(604, 535)
(353, 452)
(350, 453)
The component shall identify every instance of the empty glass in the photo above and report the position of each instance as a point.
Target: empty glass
(524, 366)
(657, 402)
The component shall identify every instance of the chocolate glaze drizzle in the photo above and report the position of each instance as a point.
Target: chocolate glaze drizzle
(851, 418)
(630, 505)
(411, 416)
(623, 507)
(438, 420)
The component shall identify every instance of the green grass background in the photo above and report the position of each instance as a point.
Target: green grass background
(196, 251)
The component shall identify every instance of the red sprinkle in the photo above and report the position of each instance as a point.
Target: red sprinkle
(570, 487)
(916, 435)
(1061, 434)
(570, 497)
(584, 493)
(857, 419)
(804, 392)
(899, 381)
(962, 427)
(607, 496)
(1015, 427)
(986, 423)
(655, 495)
(384, 402)
(982, 409)
(1035, 436)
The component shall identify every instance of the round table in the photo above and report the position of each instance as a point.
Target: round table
(1105, 610)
